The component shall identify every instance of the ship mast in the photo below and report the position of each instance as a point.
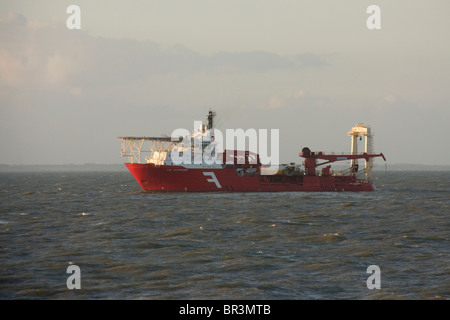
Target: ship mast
(210, 118)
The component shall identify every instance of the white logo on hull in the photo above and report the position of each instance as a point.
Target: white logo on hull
(212, 179)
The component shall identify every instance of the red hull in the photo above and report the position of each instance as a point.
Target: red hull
(177, 178)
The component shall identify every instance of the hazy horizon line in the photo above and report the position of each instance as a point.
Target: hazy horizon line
(121, 167)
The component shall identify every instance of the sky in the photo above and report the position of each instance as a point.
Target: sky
(311, 69)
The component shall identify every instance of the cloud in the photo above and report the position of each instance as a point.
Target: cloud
(308, 59)
(64, 87)
(13, 19)
(251, 61)
(300, 99)
(76, 91)
(391, 98)
(10, 68)
(49, 57)
(58, 68)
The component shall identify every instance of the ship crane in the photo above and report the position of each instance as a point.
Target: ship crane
(312, 157)
(359, 130)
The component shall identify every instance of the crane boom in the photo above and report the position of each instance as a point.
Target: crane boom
(311, 159)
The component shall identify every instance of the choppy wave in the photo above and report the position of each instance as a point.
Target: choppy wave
(135, 245)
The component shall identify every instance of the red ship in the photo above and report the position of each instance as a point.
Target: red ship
(242, 171)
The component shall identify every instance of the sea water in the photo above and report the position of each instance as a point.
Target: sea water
(129, 244)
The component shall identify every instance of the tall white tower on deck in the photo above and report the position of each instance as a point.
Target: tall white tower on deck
(362, 130)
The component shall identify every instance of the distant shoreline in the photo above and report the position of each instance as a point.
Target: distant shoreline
(88, 167)
(91, 167)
